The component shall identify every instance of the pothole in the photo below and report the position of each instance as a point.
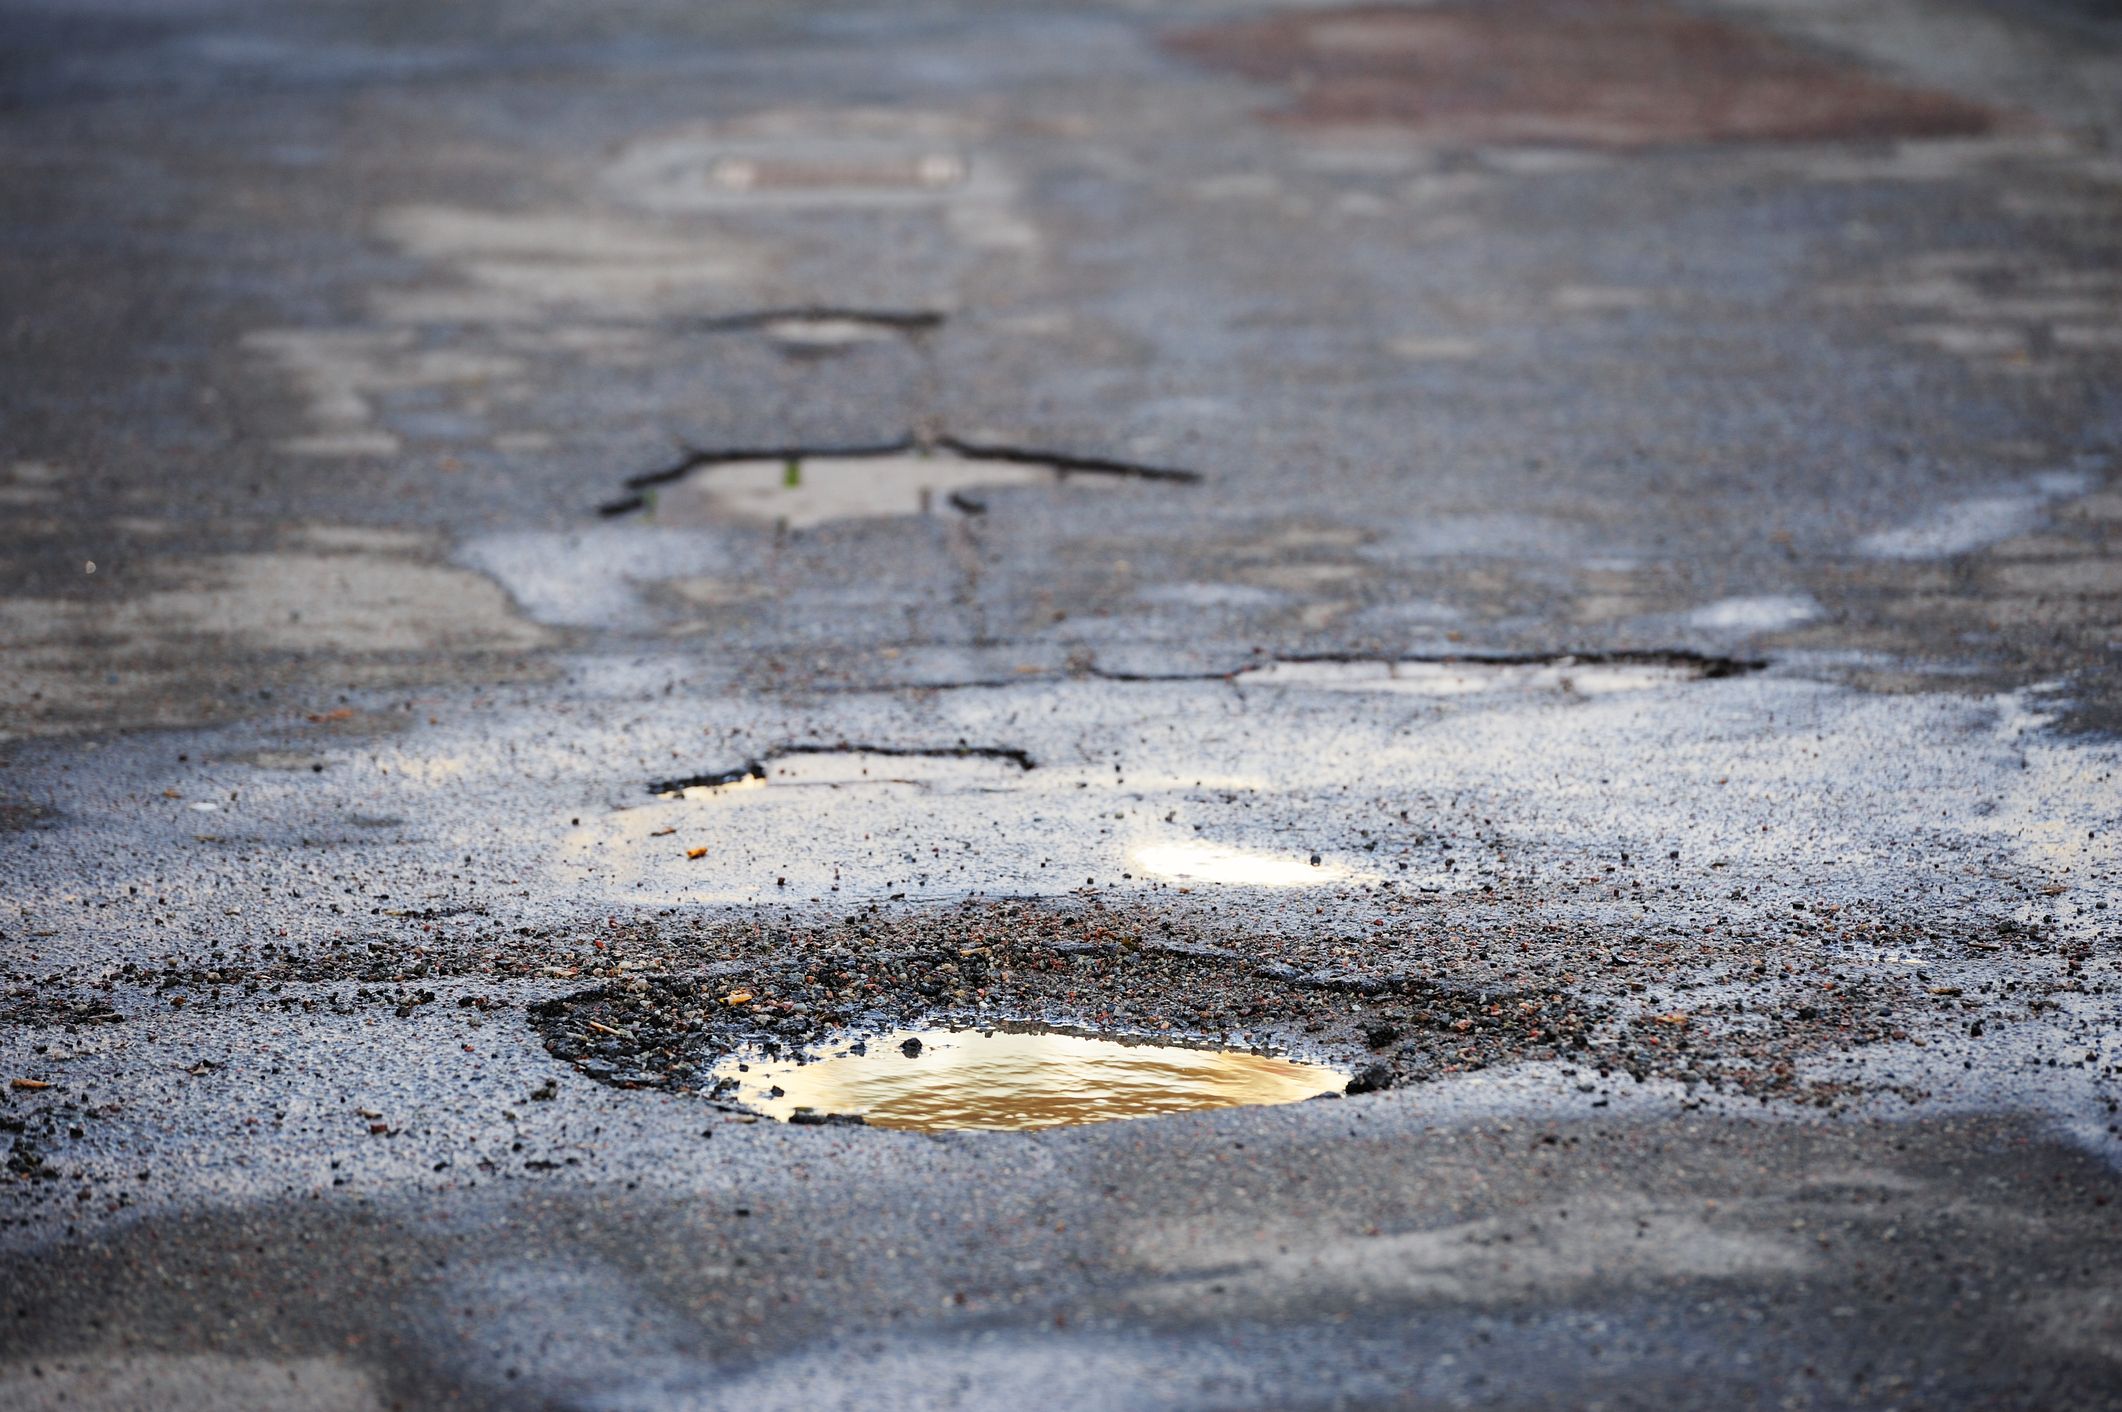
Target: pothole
(836, 765)
(815, 331)
(800, 487)
(1016, 1078)
(1601, 675)
(1012, 968)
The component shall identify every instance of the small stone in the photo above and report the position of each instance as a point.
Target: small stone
(911, 1048)
(1371, 1078)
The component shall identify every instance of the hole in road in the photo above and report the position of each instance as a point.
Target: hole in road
(800, 487)
(835, 765)
(809, 331)
(1018, 1078)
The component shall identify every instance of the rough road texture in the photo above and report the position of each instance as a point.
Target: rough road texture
(1565, 559)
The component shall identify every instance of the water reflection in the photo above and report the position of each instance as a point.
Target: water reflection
(818, 489)
(1191, 860)
(933, 1080)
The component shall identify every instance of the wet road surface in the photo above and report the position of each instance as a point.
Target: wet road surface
(1565, 570)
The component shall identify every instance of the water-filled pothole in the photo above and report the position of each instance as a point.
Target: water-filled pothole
(836, 766)
(801, 487)
(1016, 1079)
(817, 330)
(1199, 861)
(803, 492)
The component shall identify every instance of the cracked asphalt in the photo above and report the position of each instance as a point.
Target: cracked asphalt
(1564, 560)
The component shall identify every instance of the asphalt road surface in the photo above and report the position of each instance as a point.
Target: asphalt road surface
(1560, 560)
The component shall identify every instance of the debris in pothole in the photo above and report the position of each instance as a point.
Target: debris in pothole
(1019, 1077)
(661, 1025)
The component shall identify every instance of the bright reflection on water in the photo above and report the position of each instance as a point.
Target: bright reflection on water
(1020, 1079)
(1190, 860)
(819, 489)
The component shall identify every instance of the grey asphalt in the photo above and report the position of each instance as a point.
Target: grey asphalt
(1584, 581)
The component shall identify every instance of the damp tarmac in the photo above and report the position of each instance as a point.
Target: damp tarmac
(1017, 1079)
(1350, 427)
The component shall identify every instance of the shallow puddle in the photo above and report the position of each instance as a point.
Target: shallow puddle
(1193, 861)
(1016, 1079)
(961, 767)
(798, 490)
(801, 493)
(824, 335)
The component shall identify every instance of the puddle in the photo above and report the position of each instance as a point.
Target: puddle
(836, 766)
(824, 335)
(1563, 675)
(715, 786)
(826, 328)
(800, 488)
(796, 487)
(1018, 1079)
(1191, 861)
(818, 490)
